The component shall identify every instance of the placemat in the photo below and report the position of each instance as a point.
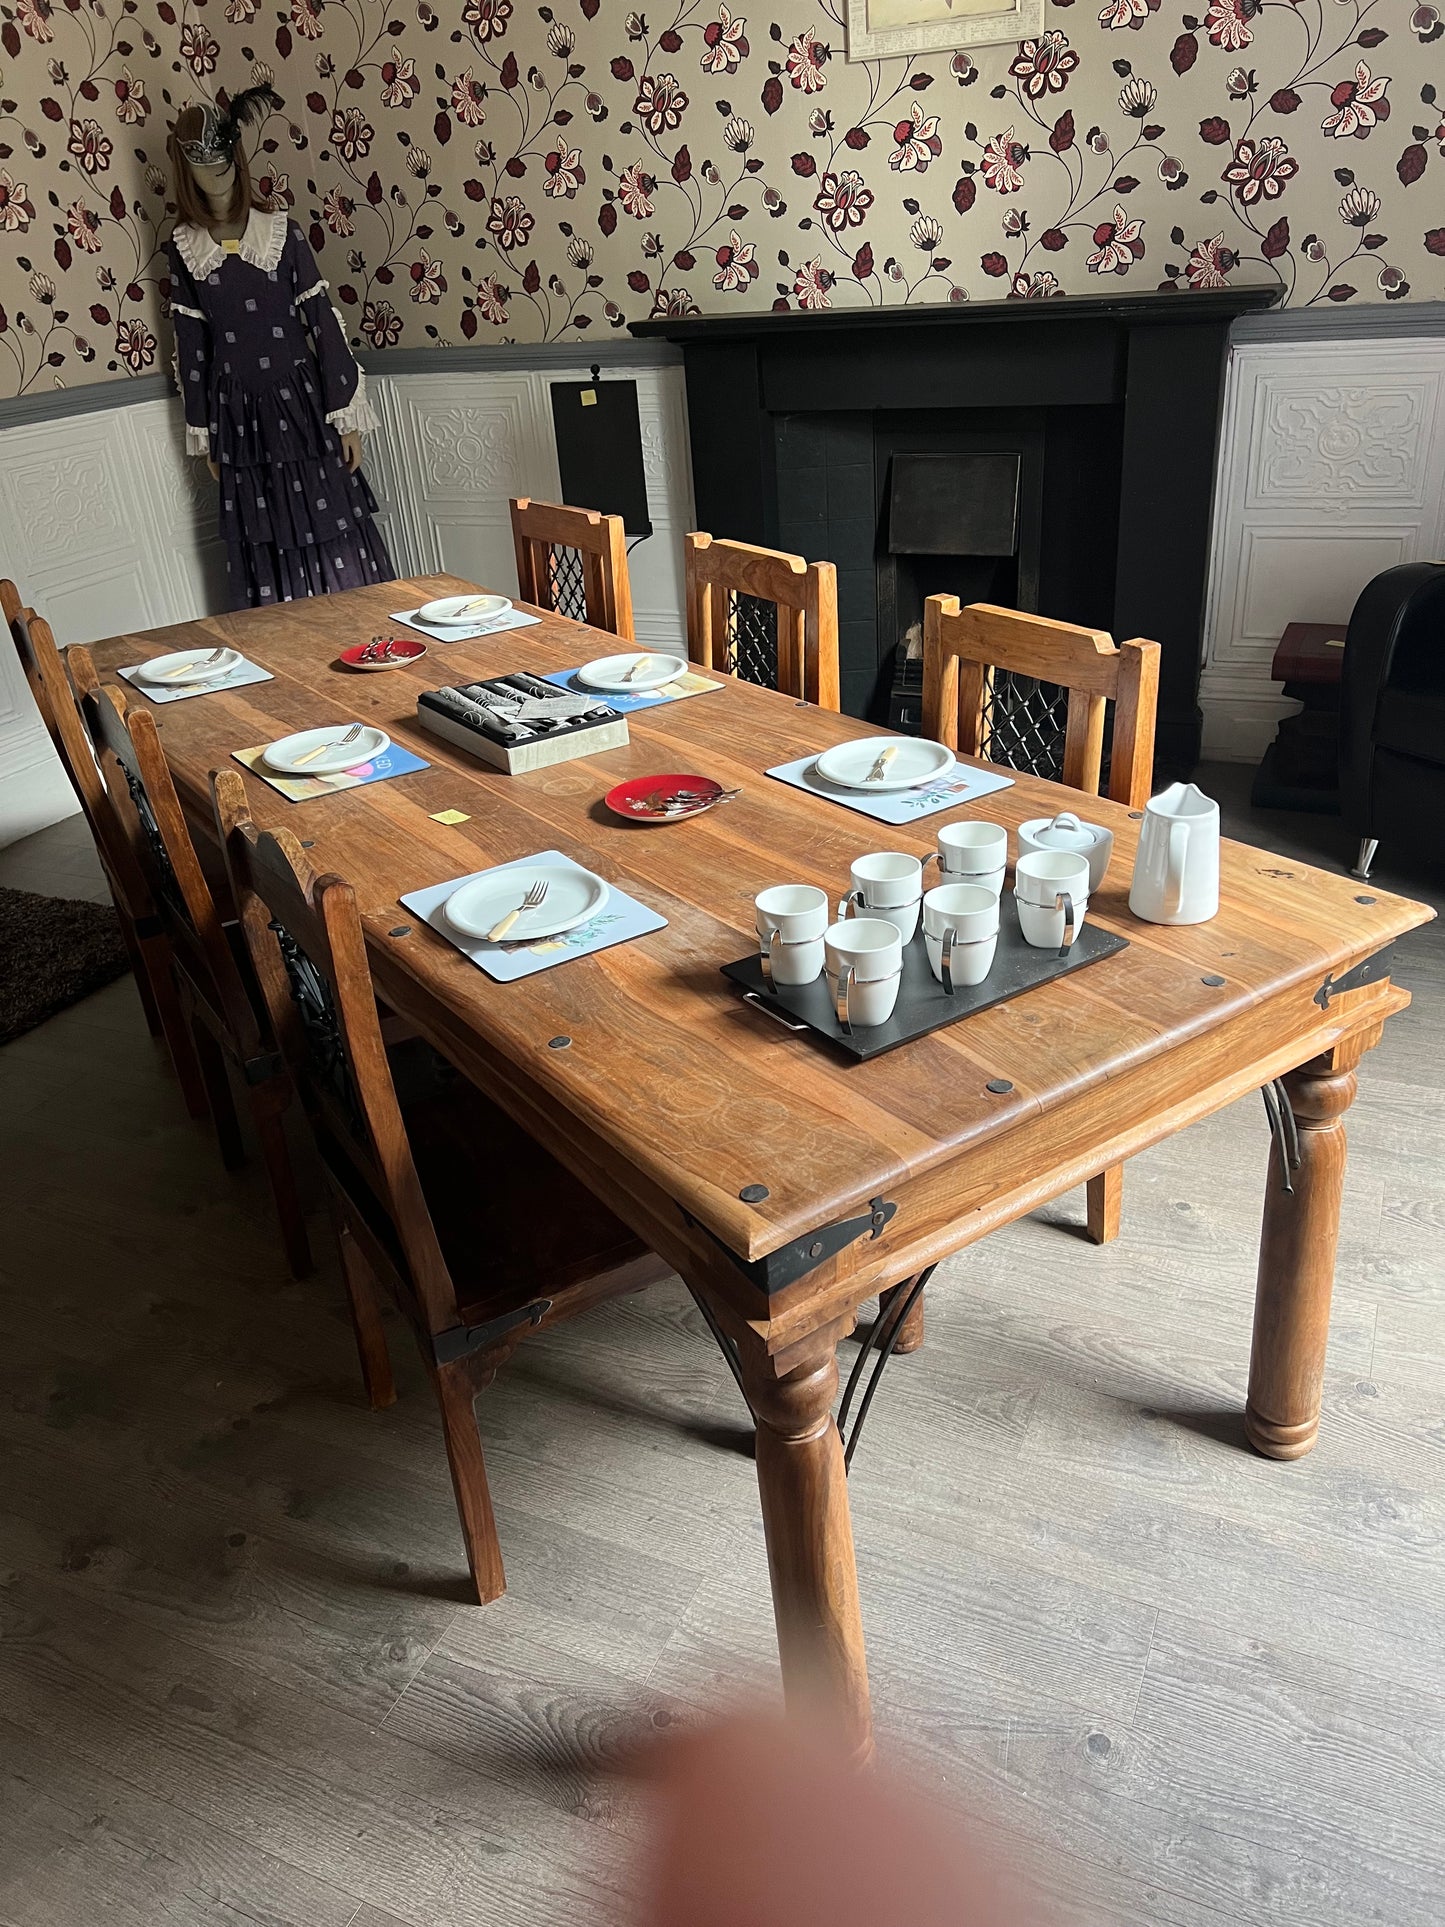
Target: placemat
(961, 785)
(687, 684)
(244, 672)
(619, 920)
(450, 632)
(395, 761)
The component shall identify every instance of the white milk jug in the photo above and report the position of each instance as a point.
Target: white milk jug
(1176, 873)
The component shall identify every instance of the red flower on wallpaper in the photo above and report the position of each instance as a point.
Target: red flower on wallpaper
(1043, 66)
(635, 189)
(337, 210)
(34, 17)
(83, 224)
(306, 18)
(492, 301)
(1356, 105)
(351, 133)
(1118, 244)
(660, 103)
(131, 105)
(807, 57)
(486, 19)
(813, 285)
(16, 210)
(508, 222)
(428, 283)
(1210, 262)
(915, 142)
(200, 50)
(399, 84)
(737, 268)
(1127, 13)
(723, 42)
(565, 174)
(90, 146)
(843, 200)
(469, 100)
(675, 304)
(1003, 162)
(381, 324)
(1229, 23)
(136, 345)
(1260, 170)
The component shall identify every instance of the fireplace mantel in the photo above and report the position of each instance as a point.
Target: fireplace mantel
(1150, 365)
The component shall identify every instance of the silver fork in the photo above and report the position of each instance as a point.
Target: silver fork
(532, 901)
(340, 742)
(190, 668)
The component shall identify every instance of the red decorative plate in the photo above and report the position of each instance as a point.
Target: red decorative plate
(665, 799)
(399, 650)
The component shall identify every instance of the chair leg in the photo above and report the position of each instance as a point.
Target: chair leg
(910, 1334)
(364, 1298)
(1368, 847)
(219, 1096)
(1105, 1203)
(456, 1395)
(266, 1110)
(155, 955)
(139, 972)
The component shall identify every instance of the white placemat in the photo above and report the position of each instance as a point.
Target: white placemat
(619, 920)
(244, 672)
(452, 632)
(961, 785)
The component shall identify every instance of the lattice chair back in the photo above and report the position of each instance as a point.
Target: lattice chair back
(764, 616)
(1031, 694)
(575, 562)
(304, 937)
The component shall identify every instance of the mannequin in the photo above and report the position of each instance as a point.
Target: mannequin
(273, 396)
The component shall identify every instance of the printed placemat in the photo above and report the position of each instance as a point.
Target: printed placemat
(395, 761)
(687, 684)
(237, 678)
(452, 632)
(961, 785)
(619, 920)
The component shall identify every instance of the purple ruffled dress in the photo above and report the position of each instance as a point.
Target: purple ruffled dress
(269, 387)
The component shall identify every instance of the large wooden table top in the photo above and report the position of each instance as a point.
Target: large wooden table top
(701, 1094)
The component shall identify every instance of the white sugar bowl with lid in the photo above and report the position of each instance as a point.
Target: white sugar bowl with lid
(1066, 832)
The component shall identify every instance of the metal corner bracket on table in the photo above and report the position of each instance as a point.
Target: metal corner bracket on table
(1370, 971)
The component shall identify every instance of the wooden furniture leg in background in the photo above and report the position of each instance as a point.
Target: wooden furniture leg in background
(456, 1389)
(804, 1490)
(910, 1333)
(1297, 1261)
(1105, 1198)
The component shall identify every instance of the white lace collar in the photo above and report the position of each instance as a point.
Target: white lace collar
(260, 245)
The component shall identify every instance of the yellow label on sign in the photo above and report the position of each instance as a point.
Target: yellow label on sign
(231, 247)
(450, 816)
(589, 397)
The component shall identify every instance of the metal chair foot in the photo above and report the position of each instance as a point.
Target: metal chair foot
(1368, 847)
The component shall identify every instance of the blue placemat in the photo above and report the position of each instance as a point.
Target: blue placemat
(690, 683)
(619, 920)
(244, 672)
(961, 785)
(395, 761)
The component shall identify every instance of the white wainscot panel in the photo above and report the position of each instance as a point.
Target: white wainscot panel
(1331, 469)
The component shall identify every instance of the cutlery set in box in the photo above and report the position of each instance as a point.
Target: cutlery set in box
(520, 722)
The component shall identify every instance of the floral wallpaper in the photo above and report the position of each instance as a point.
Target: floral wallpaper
(473, 170)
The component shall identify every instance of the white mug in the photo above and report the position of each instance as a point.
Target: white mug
(864, 961)
(790, 920)
(1051, 892)
(973, 853)
(886, 884)
(960, 932)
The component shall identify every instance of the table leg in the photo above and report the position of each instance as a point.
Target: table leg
(910, 1334)
(1297, 1262)
(804, 1491)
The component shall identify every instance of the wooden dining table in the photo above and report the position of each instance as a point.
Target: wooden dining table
(785, 1183)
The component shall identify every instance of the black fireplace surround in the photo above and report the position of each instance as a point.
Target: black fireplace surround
(1068, 445)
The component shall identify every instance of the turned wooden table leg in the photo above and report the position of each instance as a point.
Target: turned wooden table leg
(804, 1491)
(1297, 1263)
(910, 1333)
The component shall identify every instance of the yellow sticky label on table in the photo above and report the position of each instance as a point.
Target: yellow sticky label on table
(230, 247)
(589, 397)
(1334, 642)
(450, 816)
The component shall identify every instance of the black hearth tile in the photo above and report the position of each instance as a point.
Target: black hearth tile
(857, 595)
(802, 438)
(850, 490)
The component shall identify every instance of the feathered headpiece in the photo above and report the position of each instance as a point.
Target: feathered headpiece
(220, 130)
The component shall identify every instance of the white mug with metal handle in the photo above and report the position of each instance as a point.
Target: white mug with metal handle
(887, 884)
(973, 853)
(960, 933)
(864, 962)
(790, 920)
(1051, 892)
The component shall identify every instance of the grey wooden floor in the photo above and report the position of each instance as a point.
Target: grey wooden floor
(238, 1682)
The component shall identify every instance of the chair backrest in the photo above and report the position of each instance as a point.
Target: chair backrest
(141, 796)
(574, 561)
(304, 938)
(792, 646)
(1030, 693)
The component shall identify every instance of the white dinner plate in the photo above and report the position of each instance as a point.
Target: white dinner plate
(186, 666)
(572, 897)
(290, 756)
(464, 610)
(915, 760)
(614, 672)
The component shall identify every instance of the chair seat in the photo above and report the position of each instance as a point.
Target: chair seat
(1412, 722)
(514, 1225)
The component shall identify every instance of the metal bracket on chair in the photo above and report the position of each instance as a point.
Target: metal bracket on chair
(1369, 972)
(795, 1260)
(459, 1341)
(260, 1070)
(1285, 1127)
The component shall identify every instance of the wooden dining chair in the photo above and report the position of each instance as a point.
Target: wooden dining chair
(1031, 694)
(573, 561)
(229, 1029)
(477, 1233)
(145, 940)
(763, 616)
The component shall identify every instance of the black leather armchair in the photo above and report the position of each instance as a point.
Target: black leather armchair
(1392, 714)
